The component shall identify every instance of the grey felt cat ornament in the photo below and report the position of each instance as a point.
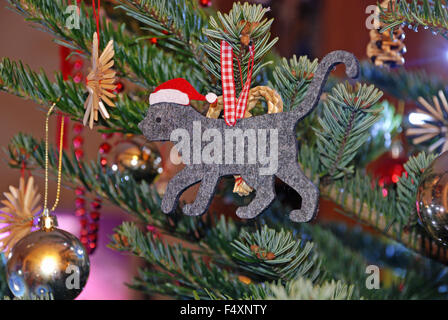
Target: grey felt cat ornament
(259, 148)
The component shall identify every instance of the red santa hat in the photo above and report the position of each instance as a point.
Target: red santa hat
(178, 91)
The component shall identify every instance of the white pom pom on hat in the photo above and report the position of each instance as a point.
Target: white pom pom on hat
(211, 97)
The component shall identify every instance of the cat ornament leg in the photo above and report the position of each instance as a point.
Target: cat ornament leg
(258, 148)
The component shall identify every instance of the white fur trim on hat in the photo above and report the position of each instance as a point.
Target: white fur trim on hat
(169, 95)
(211, 97)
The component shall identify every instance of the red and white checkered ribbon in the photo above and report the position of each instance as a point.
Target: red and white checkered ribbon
(234, 110)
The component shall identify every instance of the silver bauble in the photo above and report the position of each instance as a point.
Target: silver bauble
(432, 199)
(48, 263)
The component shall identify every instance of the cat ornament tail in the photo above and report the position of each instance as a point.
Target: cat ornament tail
(259, 148)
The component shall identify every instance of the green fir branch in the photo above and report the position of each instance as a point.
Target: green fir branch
(291, 78)
(214, 238)
(347, 253)
(180, 271)
(275, 255)
(135, 59)
(229, 27)
(381, 135)
(407, 186)
(179, 24)
(428, 14)
(304, 289)
(346, 119)
(120, 189)
(20, 80)
(361, 199)
(401, 83)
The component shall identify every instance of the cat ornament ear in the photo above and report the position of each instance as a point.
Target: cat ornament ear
(178, 91)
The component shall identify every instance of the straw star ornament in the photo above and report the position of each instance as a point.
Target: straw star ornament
(434, 129)
(18, 211)
(100, 83)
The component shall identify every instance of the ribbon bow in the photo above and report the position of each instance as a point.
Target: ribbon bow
(234, 109)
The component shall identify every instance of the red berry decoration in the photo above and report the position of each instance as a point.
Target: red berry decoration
(93, 226)
(88, 222)
(103, 162)
(83, 222)
(119, 87)
(79, 203)
(153, 40)
(95, 215)
(84, 240)
(79, 191)
(96, 204)
(79, 154)
(104, 148)
(205, 3)
(77, 78)
(80, 212)
(106, 136)
(77, 128)
(77, 142)
(78, 65)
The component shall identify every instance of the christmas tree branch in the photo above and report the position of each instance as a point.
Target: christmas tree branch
(215, 240)
(291, 79)
(136, 60)
(381, 215)
(303, 289)
(179, 23)
(346, 253)
(432, 15)
(402, 84)
(275, 255)
(20, 80)
(393, 215)
(120, 189)
(259, 257)
(180, 272)
(245, 24)
(347, 117)
(136, 198)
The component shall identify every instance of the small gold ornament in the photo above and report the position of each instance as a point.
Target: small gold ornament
(433, 129)
(20, 207)
(48, 262)
(100, 81)
(138, 159)
(386, 49)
